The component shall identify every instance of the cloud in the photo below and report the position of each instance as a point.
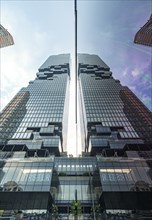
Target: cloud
(16, 72)
(19, 62)
(135, 72)
(125, 72)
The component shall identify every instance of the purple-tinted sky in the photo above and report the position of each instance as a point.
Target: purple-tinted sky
(108, 29)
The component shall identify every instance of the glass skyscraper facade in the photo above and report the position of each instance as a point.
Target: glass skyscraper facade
(36, 119)
(113, 177)
(114, 120)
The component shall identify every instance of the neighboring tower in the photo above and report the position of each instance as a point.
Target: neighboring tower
(113, 119)
(144, 35)
(36, 119)
(6, 38)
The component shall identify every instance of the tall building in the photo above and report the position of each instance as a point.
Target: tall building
(113, 118)
(34, 125)
(113, 177)
(144, 35)
(6, 38)
(117, 128)
(36, 119)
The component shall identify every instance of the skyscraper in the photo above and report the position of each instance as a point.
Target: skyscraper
(6, 38)
(144, 35)
(36, 119)
(113, 118)
(117, 128)
(34, 125)
(113, 178)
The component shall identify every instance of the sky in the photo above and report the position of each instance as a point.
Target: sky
(105, 27)
(39, 29)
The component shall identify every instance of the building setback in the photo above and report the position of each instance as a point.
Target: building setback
(113, 177)
(6, 38)
(144, 35)
(36, 119)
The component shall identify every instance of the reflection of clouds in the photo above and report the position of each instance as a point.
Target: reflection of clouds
(36, 175)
